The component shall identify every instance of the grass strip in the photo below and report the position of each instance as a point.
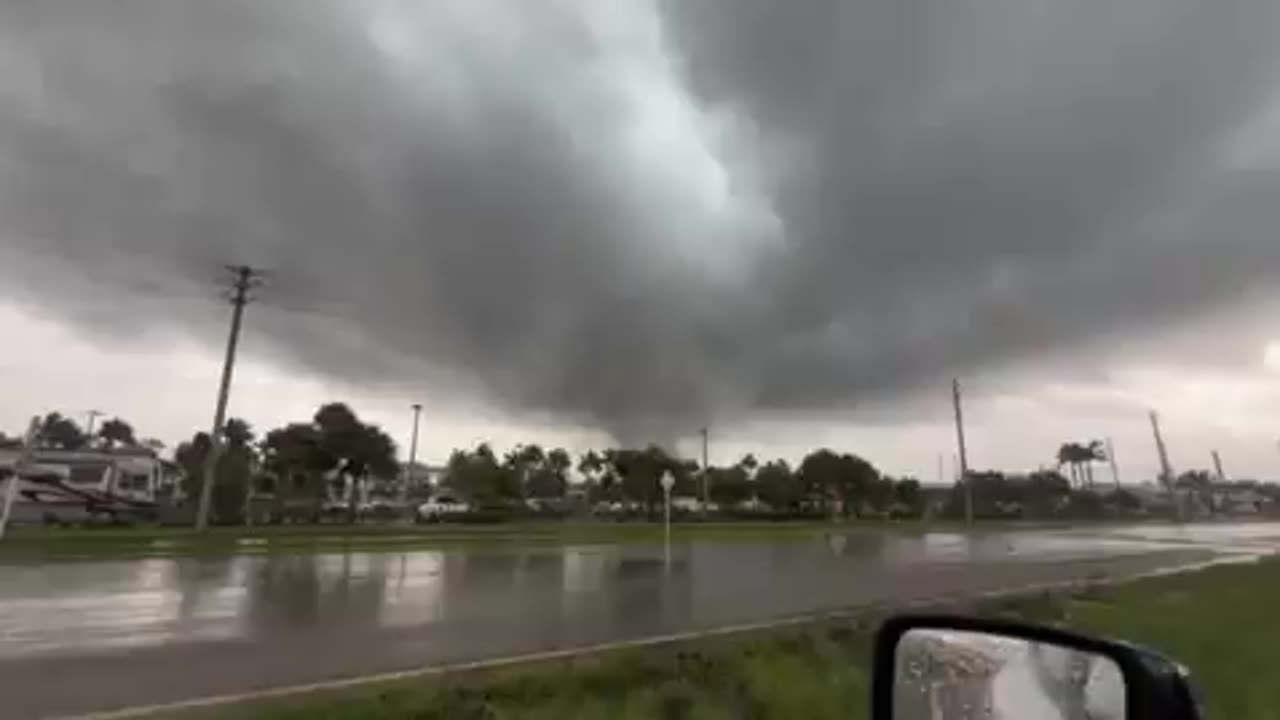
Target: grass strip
(31, 544)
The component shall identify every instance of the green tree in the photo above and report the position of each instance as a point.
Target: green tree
(549, 478)
(559, 460)
(778, 486)
(190, 455)
(595, 471)
(351, 452)
(1079, 458)
(237, 432)
(908, 494)
(235, 468)
(116, 432)
(845, 479)
(639, 472)
(61, 433)
(730, 486)
(1069, 454)
(479, 477)
(1047, 493)
(525, 462)
(819, 473)
(292, 455)
(880, 493)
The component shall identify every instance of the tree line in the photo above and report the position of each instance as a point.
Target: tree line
(824, 482)
(336, 454)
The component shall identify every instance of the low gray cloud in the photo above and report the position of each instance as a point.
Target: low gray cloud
(640, 215)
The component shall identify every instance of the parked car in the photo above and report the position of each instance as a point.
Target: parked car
(442, 506)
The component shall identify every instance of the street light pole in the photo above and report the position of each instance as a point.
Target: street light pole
(413, 455)
(706, 472)
(93, 416)
(667, 481)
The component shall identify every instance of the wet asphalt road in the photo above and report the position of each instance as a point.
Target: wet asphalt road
(84, 637)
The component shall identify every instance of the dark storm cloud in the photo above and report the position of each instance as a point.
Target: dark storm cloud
(636, 215)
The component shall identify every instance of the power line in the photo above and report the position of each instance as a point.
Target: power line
(243, 280)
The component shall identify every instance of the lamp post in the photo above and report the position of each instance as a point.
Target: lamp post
(668, 481)
(413, 456)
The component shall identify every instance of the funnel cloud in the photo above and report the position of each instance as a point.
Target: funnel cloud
(644, 214)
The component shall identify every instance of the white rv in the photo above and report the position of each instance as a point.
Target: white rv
(79, 485)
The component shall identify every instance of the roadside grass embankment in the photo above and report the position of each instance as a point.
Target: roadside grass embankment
(1221, 622)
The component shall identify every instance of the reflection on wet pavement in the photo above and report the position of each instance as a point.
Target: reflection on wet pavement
(216, 625)
(77, 606)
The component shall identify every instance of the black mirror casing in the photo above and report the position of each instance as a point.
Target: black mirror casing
(1156, 688)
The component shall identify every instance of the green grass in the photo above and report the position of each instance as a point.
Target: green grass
(39, 543)
(26, 544)
(817, 674)
(1221, 622)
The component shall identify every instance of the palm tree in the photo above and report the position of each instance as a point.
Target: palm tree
(1079, 459)
(237, 432)
(592, 466)
(1068, 454)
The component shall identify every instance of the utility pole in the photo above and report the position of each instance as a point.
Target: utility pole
(1166, 469)
(413, 455)
(706, 472)
(92, 416)
(24, 463)
(1115, 467)
(964, 454)
(244, 279)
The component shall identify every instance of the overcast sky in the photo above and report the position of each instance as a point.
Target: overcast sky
(579, 222)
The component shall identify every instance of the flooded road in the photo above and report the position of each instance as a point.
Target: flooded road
(78, 637)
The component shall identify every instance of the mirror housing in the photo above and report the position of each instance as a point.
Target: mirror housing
(1153, 685)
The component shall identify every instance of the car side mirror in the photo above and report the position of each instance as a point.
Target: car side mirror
(938, 667)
